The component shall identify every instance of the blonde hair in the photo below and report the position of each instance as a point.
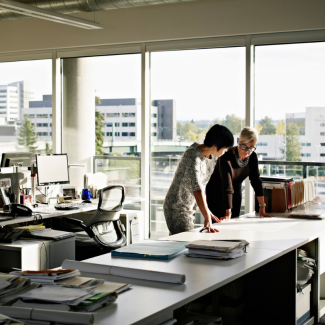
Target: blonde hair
(248, 134)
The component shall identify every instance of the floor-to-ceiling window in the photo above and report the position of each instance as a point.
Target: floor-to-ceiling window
(191, 90)
(290, 107)
(26, 106)
(116, 91)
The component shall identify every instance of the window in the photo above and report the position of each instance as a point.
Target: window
(51, 117)
(112, 114)
(131, 124)
(322, 144)
(261, 144)
(109, 134)
(118, 85)
(50, 124)
(39, 125)
(125, 124)
(43, 134)
(39, 115)
(322, 154)
(132, 134)
(25, 82)
(296, 75)
(45, 115)
(108, 124)
(216, 78)
(131, 114)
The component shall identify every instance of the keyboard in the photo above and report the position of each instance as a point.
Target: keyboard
(71, 206)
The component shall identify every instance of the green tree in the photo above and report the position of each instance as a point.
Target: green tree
(280, 127)
(180, 130)
(48, 149)
(26, 134)
(99, 134)
(233, 123)
(267, 126)
(292, 144)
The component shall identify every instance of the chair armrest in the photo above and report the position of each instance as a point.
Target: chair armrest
(80, 224)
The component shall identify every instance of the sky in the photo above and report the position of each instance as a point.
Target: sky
(206, 83)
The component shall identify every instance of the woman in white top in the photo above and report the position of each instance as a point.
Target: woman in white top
(188, 186)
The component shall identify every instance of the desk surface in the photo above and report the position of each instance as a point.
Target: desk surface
(148, 300)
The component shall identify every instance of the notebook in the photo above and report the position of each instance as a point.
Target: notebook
(51, 234)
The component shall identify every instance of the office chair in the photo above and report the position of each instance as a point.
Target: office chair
(104, 232)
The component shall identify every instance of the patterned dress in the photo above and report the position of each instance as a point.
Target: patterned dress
(192, 174)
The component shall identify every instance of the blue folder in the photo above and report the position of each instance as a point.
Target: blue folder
(152, 249)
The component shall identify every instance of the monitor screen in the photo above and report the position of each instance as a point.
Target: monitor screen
(52, 169)
(24, 159)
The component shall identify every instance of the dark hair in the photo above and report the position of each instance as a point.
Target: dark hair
(219, 136)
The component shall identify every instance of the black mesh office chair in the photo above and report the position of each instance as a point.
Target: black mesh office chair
(104, 232)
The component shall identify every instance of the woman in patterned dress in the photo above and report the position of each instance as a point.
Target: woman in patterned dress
(188, 186)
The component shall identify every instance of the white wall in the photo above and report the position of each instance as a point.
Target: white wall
(204, 18)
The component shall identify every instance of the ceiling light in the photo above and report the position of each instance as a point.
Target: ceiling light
(21, 8)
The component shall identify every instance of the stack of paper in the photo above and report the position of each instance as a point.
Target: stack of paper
(48, 276)
(78, 299)
(216, 249)
(11, 285)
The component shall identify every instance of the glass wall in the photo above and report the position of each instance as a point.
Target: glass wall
(117, 83)
(26, 106)
(290, 107)
(191, 90)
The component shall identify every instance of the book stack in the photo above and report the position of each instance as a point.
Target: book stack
(217, 249)
(48, 276)
(11, 286)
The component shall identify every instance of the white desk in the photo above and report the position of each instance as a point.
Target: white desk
(153, 302)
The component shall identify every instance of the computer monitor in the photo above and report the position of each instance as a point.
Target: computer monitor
(52, 169)
(24, 159)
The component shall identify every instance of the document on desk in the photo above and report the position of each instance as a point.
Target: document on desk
(125, 272)
(151, 249)
(268, 225)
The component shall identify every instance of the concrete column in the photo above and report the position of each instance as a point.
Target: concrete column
(78, 117)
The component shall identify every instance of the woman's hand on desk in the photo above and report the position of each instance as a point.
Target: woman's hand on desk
(208, 224)
(227, 216)
(263, 213)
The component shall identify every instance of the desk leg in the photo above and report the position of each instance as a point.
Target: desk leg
(271, 292)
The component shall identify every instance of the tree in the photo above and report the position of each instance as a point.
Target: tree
(267, 126)
(233, 123)
(280, 128)
(292, 144)
(26, 134)
(48, 149)
(99, 134)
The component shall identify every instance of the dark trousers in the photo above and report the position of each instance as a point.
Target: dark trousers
(217, 207)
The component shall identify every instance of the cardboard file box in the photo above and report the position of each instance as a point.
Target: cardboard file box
(303, 304)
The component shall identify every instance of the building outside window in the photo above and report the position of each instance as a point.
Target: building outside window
(125, 124)
(132, 124)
